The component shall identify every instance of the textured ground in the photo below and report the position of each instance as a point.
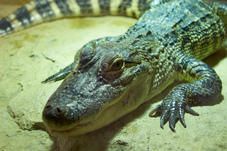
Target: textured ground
(28, 57)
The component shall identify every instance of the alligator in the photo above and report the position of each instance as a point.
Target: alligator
(114, 75)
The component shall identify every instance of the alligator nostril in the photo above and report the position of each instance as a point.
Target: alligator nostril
(57, 116)
(53, 113)
(59, 110)
(48, 106)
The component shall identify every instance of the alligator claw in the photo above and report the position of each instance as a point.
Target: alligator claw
(191, 111)
(172, 111)
(155, 111)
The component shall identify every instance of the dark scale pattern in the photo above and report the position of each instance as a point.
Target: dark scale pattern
(44, 9)
(206, 82)
(23, 15)
(123, 7)
(85, 6)
(204, 85)
(5, 25)
(221, 9)
(104, 6)
(214, 28)
(159, 49)
(63, 6)
(143, 5)
(183, 35)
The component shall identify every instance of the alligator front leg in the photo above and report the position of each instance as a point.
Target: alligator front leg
(204, 85)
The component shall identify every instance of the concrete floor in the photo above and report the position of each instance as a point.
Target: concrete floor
(28, 57)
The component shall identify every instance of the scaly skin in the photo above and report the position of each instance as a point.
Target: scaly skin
(39, 11)
(112, 76)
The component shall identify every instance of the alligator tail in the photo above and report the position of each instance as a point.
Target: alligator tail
(38, 11)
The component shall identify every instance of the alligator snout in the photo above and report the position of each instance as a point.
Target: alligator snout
(58, 117)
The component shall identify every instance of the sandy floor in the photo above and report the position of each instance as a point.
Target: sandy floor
(28, 57)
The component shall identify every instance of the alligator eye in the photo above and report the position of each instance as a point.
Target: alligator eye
(117, 64)
(112, 67)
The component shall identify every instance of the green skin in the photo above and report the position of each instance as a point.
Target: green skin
(112, 76)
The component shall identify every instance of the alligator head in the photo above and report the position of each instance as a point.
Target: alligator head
(109, 80)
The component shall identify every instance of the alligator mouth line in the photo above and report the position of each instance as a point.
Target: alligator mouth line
(68, 132)
(83, 128)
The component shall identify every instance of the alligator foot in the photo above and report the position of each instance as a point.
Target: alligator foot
(172, 109)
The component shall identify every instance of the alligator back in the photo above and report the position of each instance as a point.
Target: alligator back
(220, 7)
(185, 25)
